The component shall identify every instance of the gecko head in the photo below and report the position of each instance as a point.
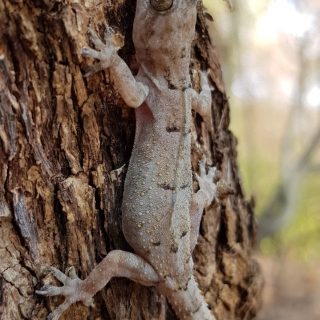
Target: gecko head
(163, 31)
(161, 5)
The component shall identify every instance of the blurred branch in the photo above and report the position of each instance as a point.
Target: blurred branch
(282, 207)
(314, 168)
(309, 151)
(296, 108)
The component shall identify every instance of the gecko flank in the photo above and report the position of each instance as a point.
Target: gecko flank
(161, 216)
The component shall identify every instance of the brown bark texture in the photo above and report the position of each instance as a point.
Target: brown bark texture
(62, 137)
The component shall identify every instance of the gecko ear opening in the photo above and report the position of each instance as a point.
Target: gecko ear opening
(161, 5)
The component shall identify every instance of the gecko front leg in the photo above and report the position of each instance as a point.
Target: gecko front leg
(117, 263)
(201, 102)
(133, 92)
(201, 199)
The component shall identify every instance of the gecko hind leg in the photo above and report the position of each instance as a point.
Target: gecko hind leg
(117, 263)
(201, 199)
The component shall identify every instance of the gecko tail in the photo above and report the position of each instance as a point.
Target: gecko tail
(189, 303)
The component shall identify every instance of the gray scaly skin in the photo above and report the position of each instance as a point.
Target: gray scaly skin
(161, 216)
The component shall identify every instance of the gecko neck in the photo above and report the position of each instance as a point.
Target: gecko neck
(173, 76)
(167, 81)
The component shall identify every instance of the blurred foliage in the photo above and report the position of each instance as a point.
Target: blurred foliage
(266, 71)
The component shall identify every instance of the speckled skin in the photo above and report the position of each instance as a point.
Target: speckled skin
(161, 217)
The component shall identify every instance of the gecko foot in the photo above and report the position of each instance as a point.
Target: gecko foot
(202, 102)
(72, 291)
(106, 52)
(207, 181)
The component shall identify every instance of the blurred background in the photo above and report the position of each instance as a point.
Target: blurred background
(270, 55)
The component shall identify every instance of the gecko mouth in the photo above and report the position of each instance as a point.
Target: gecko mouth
(161, 5)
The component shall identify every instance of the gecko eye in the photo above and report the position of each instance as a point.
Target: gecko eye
(161, 5)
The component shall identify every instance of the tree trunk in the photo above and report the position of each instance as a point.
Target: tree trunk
(62, 138)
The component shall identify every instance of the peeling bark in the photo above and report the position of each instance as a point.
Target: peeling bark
(61, 137)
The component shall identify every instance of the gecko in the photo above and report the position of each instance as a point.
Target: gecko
(160, 214)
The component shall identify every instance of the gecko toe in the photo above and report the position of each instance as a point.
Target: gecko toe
(72, 273)
(109, 32)
(92, 33)
(89, 302)
(55, 314)
(86, 52)
(212, 172)
(202, 168)
(58, 274)
(197, 177)
(94, 69)
(91, 53)
(98, 43)
(49, 290)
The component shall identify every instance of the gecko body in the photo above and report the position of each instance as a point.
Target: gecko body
(161, 216)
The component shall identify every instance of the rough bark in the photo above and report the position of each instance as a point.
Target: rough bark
(61, 137)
